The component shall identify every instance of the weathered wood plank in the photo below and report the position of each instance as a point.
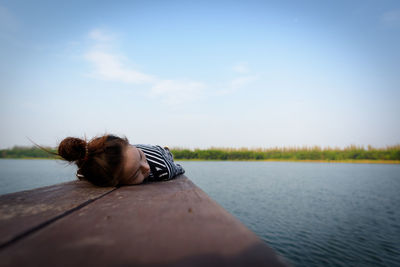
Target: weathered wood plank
(170, 223)
(23, 211)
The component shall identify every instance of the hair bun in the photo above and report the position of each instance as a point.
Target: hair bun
(72, 149)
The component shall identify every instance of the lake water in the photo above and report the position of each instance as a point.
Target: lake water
(314, 214)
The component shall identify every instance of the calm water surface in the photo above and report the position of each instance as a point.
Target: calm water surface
(23, 174)
(314, 214)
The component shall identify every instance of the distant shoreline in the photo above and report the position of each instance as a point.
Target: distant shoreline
(351, 154)
(359, 161)
(362, 161)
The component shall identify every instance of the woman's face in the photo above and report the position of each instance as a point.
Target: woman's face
(135, 167)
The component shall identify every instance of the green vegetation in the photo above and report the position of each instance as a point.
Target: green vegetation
(352, 153)
(20, 152)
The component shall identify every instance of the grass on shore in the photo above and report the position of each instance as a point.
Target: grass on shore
(350, 154)
(358, 161)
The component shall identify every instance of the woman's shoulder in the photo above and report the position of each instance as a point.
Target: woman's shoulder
(149, 147)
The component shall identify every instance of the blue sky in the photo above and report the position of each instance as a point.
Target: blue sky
(218, 73)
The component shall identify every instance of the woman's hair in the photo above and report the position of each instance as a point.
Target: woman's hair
(99, 161)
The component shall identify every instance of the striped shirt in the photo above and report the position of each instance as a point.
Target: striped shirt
(161, 162)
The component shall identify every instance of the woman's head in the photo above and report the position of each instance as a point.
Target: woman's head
(100, 161)
(135, 167)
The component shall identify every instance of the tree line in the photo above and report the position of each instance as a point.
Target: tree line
(18, 152)
(303, 153)
(296, 153)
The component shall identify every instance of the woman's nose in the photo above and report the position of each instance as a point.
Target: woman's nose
(146, 167)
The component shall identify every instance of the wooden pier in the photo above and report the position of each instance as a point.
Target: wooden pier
(172, 223)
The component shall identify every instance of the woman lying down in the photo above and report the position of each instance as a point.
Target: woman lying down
(110, 160)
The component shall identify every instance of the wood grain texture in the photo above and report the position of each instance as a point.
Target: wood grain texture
(22, 211)
(172, 223)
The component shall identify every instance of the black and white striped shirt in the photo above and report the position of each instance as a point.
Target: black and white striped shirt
(161, 162)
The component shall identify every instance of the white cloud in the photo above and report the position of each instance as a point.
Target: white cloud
(8, 22)
(100, 36)
(391, 18)
(241, 68)
(242, 81)
(112, 67)
(236, 84)
(245, 79)
(109, 67)
(175, 92)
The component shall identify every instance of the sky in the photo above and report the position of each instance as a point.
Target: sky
(199, 74)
